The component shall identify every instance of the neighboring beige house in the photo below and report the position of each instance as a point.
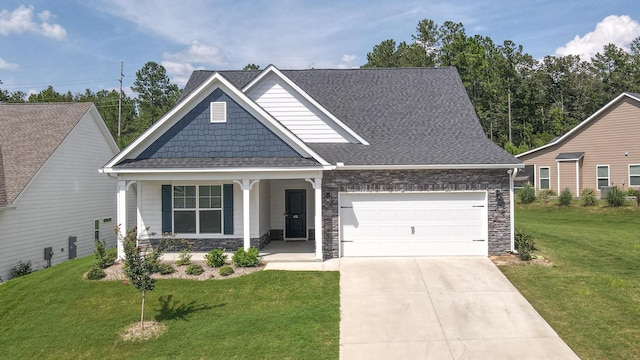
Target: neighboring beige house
(602, 151)
(53, 201)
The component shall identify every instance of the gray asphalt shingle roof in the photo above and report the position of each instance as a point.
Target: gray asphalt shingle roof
(409, 116)
(570, 156)
(29, 134)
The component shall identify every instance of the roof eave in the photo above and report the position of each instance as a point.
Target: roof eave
(581, 125)
(212, 170)
(430, 167)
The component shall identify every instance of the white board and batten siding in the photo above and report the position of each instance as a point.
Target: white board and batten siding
(63, 199)
(414, 224)
(296, 113)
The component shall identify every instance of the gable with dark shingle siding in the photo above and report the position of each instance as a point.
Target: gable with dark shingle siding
(194, 136)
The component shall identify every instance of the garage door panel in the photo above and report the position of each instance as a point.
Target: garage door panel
(413, 224)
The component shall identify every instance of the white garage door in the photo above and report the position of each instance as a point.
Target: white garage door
(416, 224)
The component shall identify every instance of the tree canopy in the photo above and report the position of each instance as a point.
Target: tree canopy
(521, 102)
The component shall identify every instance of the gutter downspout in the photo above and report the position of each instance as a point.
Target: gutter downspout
(512, 174)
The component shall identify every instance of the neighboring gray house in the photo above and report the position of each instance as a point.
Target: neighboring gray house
(366, 162)
(51, 195)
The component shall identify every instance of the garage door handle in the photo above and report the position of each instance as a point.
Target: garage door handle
(477, 206)
(478, 240)
(346, 241)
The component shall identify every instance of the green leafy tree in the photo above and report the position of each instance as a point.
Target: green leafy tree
(251, 67)
(156, 94)
(139, 265)
(50, 95)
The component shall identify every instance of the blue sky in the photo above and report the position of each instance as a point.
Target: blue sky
(79, 44)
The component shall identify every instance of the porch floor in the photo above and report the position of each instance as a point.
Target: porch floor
(285, 251)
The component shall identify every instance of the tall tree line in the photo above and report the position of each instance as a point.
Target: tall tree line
(155, 96)
(521, 102)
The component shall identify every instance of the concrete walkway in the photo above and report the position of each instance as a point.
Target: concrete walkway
(438, 308)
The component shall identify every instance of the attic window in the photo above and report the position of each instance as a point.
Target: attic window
(218, 112)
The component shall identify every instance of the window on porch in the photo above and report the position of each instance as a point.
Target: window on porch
(197, 209)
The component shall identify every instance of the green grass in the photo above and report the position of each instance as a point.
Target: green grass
(591, 293)
(54, 314)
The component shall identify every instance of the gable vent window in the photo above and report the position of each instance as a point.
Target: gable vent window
(218, 112)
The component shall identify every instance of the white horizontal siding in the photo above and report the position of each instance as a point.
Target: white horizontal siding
(296, 113)
(63, 199)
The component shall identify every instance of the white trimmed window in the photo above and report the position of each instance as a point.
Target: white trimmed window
(634, 175)
(602, 175)
(218, 112)
(197, 209)
(544, 178)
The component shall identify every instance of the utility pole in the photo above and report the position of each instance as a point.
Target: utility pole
(120, 100)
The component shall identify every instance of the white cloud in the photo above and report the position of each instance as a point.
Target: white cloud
(180, 65)
(348, 62)
(21, 21)
(4, 65)
(618, 30)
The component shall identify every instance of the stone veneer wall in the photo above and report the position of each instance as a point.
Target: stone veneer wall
(204, 245)
(348, 181)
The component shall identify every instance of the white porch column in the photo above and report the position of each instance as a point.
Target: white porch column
(121, 209)
(246, 186)
(317, 187)
(246, 214)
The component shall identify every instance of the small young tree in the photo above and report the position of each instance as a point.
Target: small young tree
(139, 265)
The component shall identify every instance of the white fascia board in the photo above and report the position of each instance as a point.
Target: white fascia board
(299, 90)
(432, 167)
(216, 80)
(212, 170)
(581, 125)
(232, 174)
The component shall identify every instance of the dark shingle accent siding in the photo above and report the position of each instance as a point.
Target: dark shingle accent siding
(194, 136)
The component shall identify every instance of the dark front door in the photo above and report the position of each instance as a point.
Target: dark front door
(295, 206)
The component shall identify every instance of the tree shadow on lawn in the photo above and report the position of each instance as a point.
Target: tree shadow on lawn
(172, 309)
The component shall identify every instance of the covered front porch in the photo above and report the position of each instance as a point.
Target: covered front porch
(279, 212)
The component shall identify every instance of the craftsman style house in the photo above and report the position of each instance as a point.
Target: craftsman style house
(365, 162)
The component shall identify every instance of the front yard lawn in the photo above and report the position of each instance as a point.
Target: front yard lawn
(591, 293)
(55, 314)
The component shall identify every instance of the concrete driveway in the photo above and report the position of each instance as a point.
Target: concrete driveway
(438, 308)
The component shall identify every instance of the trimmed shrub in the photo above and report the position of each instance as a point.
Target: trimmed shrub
(96, 273)
(588, 197)
(194, 269)
(184, 258)
(216, 257)
(565, 197)
(524, 245)
(250, 258)
(527, 194)
(226, 270)
(21, 269)
(615, 197)
(164, 269)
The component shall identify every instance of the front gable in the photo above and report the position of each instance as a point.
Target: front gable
(187, 132)
(296, 110)
(195, 136)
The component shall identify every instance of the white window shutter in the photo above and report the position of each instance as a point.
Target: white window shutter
(218, 112)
